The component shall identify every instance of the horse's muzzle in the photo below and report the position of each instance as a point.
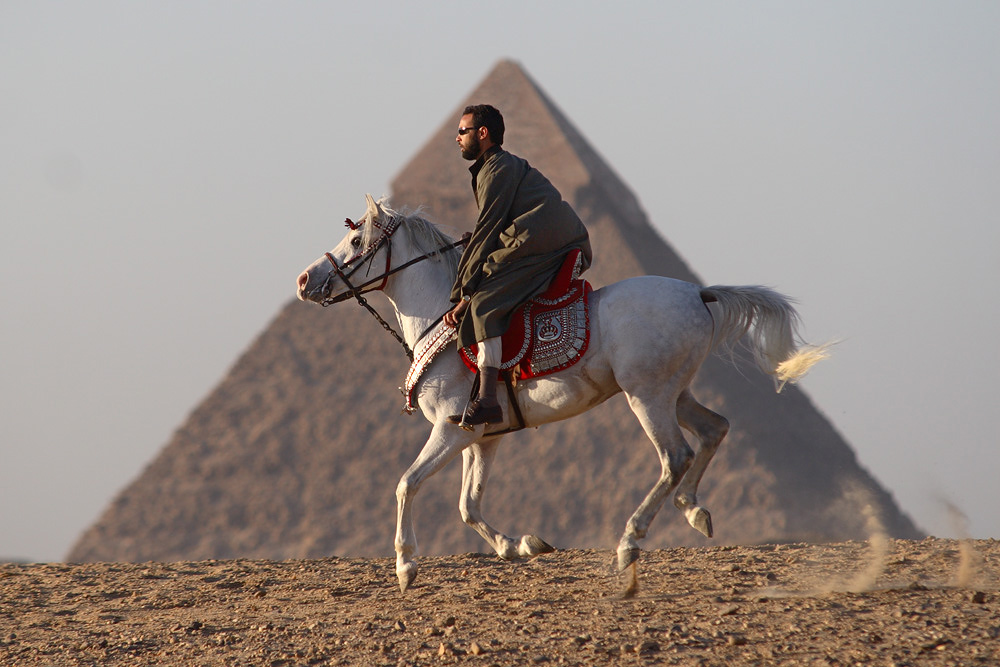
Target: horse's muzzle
(307, 291)
(310, 288)
(301, 283)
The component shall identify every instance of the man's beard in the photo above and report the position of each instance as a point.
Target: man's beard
(471, 152)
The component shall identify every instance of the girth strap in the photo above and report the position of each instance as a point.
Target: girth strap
(512, 400)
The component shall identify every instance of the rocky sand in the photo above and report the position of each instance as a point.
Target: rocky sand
(878, 602)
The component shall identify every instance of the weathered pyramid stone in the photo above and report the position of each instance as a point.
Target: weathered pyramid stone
(298, 450)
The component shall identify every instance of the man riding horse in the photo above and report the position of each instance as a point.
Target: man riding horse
(523, 234)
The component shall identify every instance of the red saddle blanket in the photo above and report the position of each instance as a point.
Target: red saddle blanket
(549, 333)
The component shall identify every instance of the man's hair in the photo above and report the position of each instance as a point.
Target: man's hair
(484, 115)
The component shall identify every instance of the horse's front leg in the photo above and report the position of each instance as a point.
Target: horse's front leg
(476, 463)
(443, 445)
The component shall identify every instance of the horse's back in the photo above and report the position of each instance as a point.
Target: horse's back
(653, 303)
(649, 318)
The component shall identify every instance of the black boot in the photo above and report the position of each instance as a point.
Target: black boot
(485, 409)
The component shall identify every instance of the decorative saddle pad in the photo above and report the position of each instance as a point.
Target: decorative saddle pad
(548, 334)
(545, 335)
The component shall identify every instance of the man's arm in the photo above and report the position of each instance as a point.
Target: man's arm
(496, 187)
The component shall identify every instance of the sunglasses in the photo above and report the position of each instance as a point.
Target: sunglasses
(462, 131)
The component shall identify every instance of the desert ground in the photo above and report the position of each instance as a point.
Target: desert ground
(877, 602)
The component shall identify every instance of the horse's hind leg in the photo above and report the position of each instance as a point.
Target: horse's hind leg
(476, 463)
(658, 416)
(710, 428)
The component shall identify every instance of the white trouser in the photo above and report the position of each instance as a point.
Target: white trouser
(488, 353)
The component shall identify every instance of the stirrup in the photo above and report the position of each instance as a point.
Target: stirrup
(477, 414)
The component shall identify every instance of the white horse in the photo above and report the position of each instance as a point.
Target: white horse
(648, 337)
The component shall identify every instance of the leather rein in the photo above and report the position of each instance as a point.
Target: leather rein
(369, 254)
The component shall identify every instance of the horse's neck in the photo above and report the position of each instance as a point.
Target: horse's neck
(420, 294)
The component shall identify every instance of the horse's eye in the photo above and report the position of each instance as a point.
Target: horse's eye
(356, 242)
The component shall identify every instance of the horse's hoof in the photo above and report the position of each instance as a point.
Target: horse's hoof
(627, 555)
(532, 546)
(632, 584)
(700, 520)
(406, 574)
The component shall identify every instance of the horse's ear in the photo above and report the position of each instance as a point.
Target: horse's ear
(374, 212)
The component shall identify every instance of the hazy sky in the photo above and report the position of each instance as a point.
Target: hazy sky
(168, 168)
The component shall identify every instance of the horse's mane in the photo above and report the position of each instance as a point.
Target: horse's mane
(426, 235)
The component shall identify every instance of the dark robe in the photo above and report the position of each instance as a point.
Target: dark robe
(524, 232)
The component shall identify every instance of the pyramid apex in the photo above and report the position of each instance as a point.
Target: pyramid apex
(504, 85)
(507, 63)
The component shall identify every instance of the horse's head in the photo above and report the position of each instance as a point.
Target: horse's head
(359, 263)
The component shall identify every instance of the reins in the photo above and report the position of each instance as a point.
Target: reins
(369, 253)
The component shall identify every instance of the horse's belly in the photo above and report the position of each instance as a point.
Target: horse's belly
(565, 394)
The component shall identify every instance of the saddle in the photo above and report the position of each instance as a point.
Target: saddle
(549, 333)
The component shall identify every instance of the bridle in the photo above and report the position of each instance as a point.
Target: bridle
(358, 260)
(352, 265)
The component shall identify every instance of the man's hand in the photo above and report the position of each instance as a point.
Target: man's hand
(454, 316)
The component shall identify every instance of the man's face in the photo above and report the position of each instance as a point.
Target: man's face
(469, 141)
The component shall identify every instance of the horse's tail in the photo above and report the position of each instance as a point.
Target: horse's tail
(770, 323)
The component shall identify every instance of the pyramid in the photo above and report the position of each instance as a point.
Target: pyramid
(297, 452)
